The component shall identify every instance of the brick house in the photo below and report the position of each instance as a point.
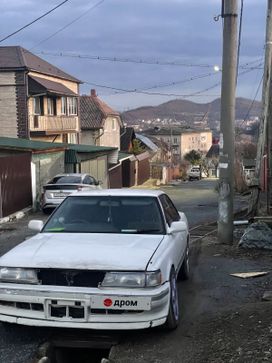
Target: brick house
(38, 101)
(100, 124)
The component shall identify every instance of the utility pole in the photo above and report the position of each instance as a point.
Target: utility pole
(226, 154)
(269, 153)
(253, 207)
(269, 162)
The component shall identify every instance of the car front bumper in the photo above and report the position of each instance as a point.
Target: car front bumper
(73, 307)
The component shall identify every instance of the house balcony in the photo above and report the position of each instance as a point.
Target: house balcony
(53, 124)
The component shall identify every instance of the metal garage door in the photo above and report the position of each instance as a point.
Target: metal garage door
(15, 183)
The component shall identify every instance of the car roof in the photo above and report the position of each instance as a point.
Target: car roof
(120, 192)
(70, 174)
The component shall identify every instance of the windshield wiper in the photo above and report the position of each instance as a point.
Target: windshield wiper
(140, 231)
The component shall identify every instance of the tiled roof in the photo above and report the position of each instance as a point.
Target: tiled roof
(39, 85)
(147, 142)
(213, 151)
(93, 112)
(127, 136)
(16, 58)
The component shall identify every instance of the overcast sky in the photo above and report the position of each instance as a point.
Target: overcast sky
(180, 32)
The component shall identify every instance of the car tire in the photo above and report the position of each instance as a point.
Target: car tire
(184, 271)
(172, 320)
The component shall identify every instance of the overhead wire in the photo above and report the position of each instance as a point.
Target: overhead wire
(168, 84)
(33, 21)
(115, 59)
(251, 106)
(68, 24)
(163, 94)
(239, 37)
(124, 60)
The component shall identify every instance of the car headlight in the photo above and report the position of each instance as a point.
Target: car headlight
(132, 279)
(18, 275)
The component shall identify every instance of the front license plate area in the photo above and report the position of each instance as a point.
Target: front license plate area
(66, 310)
(120, 302)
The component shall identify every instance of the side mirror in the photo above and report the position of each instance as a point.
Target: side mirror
(179, 226)
(35, 225)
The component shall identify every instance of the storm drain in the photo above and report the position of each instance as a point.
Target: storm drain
(78, 355)
(77, 350)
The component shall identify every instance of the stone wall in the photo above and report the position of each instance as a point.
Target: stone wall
(8, 105)
(21, 98)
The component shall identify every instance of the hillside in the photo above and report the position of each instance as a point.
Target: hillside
(184, 110)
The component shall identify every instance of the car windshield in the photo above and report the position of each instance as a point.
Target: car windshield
(66, 179)
(107, 214)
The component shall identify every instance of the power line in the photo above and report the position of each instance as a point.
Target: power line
(173, 83)
(34, 21)
(134, 60)
(68, 24)
(252, 103)
(124, 60)
(239, 37)
(197, 93)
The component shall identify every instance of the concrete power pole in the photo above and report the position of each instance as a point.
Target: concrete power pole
(226, 157)
(266, 92)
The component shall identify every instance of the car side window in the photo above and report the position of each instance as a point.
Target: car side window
(88, 180)
(170, 211)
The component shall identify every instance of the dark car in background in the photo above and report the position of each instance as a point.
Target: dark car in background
(63, 185)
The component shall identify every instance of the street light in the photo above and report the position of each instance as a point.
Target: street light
(216, 68)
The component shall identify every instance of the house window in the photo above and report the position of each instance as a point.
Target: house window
(63, 109)
(113, 124)
(175, 140)
(51, 106)
(38, 105)
(72, 105)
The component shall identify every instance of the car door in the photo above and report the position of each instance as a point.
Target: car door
(179, 239)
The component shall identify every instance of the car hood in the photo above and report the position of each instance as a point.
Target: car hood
(84, 251)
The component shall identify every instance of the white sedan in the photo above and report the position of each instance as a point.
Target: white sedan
(105, 259)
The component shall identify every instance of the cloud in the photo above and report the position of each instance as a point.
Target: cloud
(172, 30)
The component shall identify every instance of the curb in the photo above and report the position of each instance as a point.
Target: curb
(17, 215)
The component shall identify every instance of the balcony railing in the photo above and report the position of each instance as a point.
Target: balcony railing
(54, 123)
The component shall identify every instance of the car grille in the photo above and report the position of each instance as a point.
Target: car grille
(22, 305)
(80, 278)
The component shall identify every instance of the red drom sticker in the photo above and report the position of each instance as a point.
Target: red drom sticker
(107, 302)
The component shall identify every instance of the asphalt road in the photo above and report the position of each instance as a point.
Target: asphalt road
(198, 199)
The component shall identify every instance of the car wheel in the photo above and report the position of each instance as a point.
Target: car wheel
(172, 320)
(184, 271)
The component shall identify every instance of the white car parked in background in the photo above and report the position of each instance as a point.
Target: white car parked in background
(63, 185)
(194, 173)
(105, 259)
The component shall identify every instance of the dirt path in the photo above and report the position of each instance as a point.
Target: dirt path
(224, 318)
